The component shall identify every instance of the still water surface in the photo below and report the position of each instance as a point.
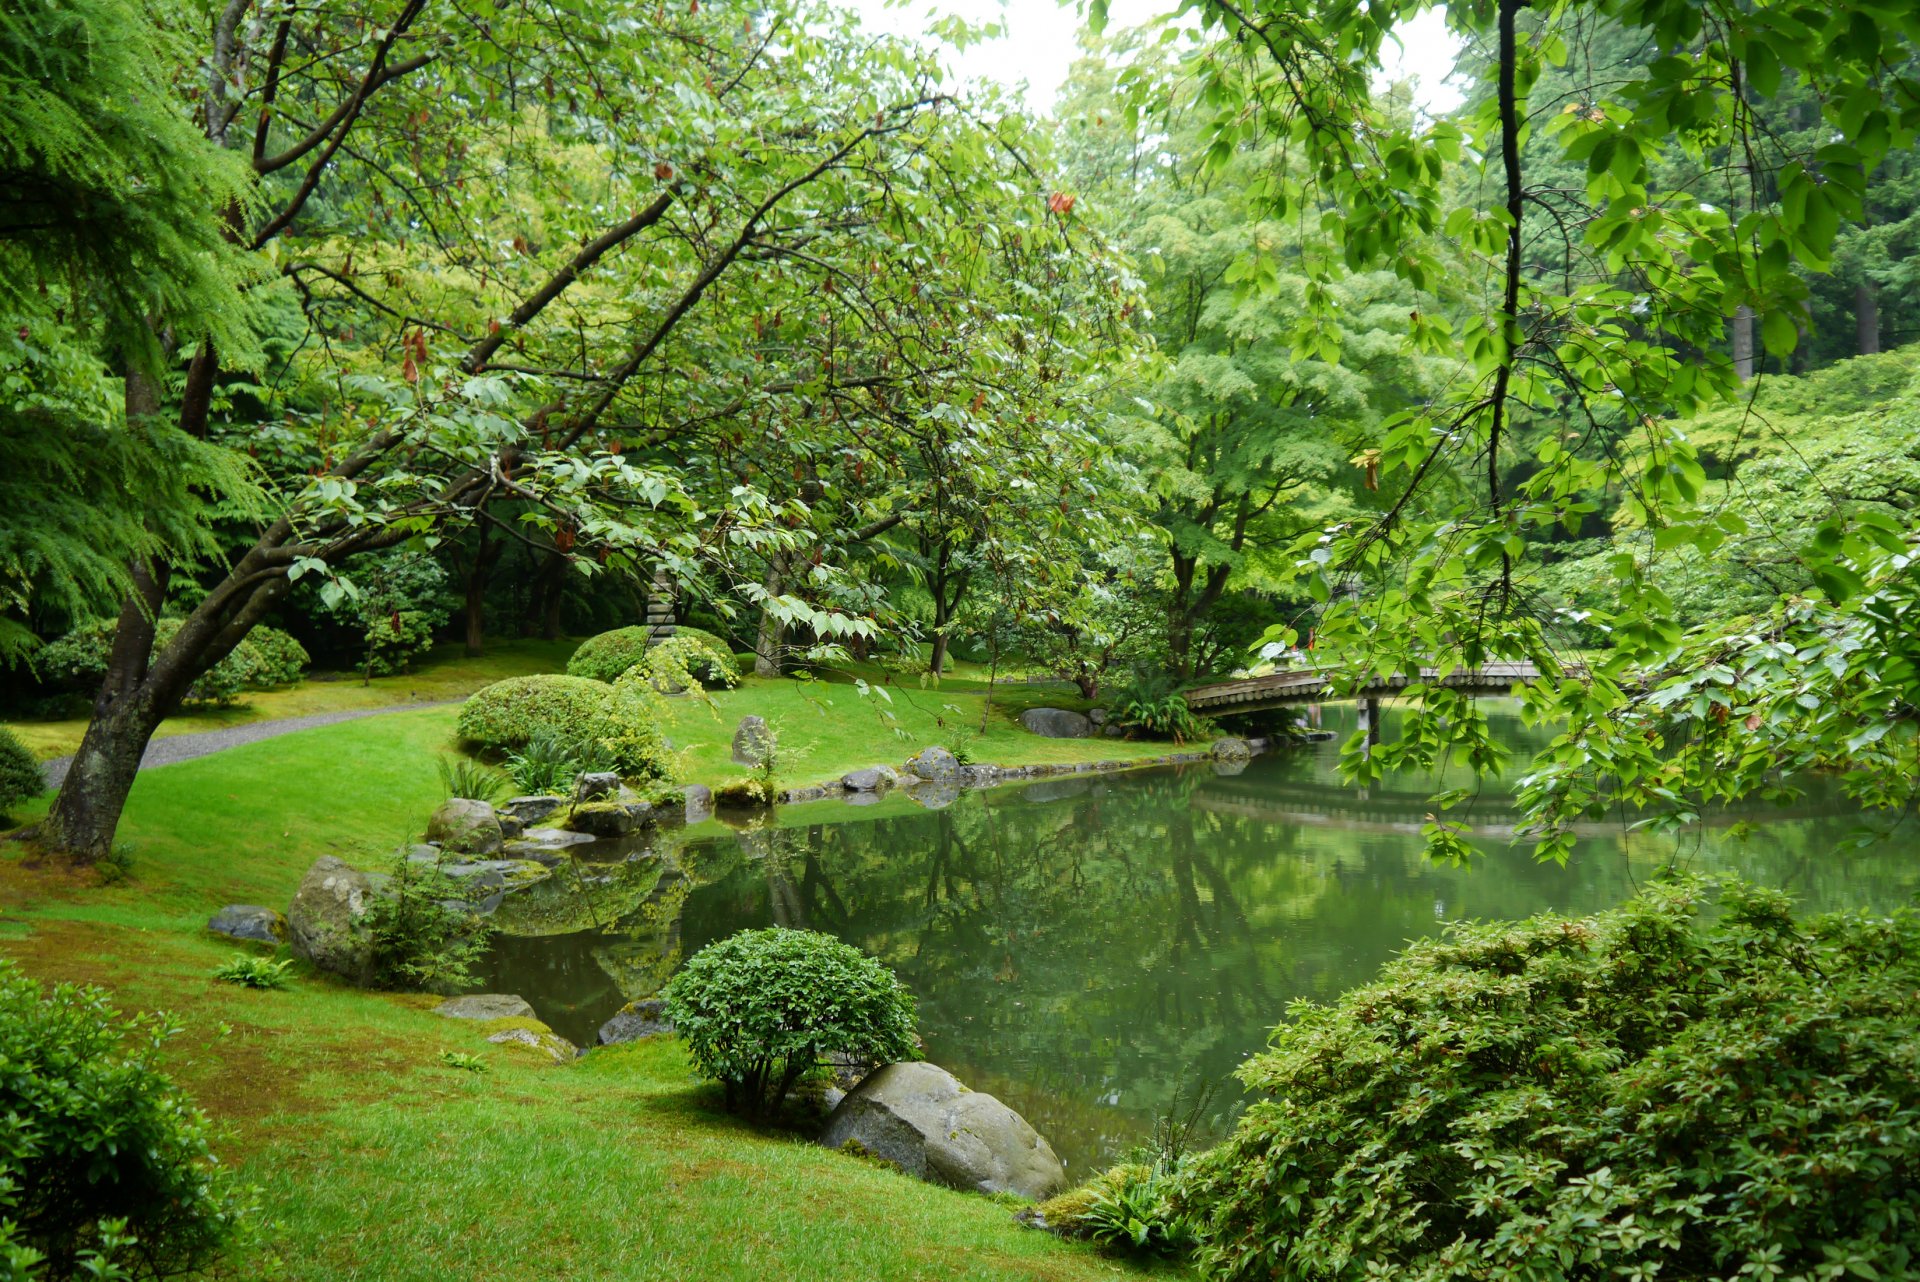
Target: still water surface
(1085, 948)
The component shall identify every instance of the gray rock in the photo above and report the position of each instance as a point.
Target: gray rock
(1231, 749)
(1112, 731)
(867, 779)
(699, 802)
(922, 1120)
(485, 1006)
(531, 810)
(803, 794)
(546, 839)
(752, 741)
(327, 921)
(465, 826)
(978, 776)
(251, 922)
(1097, 715)
(594, 785)
(644, 1018)
(936, 764)
(510, 826)
(543, 1041)
(604, 819)
(1056, 723)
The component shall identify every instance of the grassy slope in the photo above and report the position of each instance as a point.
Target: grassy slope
(380, 1162)
(446, 673)
(827, 727)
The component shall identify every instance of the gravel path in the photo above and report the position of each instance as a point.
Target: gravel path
(185, 747)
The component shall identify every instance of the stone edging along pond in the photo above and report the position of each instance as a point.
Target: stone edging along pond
(935, 778)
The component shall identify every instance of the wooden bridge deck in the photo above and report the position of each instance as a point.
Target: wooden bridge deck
(1307, 685)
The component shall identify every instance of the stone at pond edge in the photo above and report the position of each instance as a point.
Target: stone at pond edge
(1231, 749)
(327, 920)
(250, 922)
(935, 764)
(635, 1020)
(485, 1006)
(752, 741)
(921, 1119)
(465, 826)
(610, 818)
(1056, 723)
(594, 785)
(868, 779)
(531, 810)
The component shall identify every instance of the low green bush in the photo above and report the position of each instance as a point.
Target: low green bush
(761, 1010)
(606, 656)
(20, 776)
(105, 1169)
(1688, 1086)
(1150, 701)
(254, 972)
(508, 715)
(267, 657)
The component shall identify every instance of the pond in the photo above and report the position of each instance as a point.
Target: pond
(1089, 948)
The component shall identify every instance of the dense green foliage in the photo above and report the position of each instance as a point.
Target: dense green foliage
(20, 777)
(764, 1008)
(508, 715)
(607, 656)
(267, 657)
(421, 932)
(105, 1169)
(1685, 1086)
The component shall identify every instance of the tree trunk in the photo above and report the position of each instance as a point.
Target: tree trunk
(1743, 357)
(1866, 316)
(484, 557)
(552, 595)
(766, 646)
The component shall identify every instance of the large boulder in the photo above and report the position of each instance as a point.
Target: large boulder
(644, 1018)
(935, 764)
(752, 741)
(921, 1119)
(250, 922)
(1230, 748)
(531, 810)
(485, 1006)
(327, 922)
(465, 827)
(610, 818)
(1056, 723)
(596, 785)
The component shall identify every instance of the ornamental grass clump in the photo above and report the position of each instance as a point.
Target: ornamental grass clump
(765, 1008)
(1692, 1085)
(105, 1169)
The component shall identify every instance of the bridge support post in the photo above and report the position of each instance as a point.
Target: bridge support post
(1370, 722)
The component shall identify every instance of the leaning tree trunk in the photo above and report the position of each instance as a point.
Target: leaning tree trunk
(1866, 317)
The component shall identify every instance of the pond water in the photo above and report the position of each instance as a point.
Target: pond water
(1086, 948)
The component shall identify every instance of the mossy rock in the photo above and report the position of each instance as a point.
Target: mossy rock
(526, 1036)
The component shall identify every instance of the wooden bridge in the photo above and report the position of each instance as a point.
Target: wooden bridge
(1310, 685)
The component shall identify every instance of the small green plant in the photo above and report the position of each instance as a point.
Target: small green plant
(763, 1009)
(421, 935)
(546, 765)
(1153, 702)
(105, 1169)
(1130, 1209)
(254, 972)
(471, 780)
(116, 866)
(463, 1061)
(20, 776)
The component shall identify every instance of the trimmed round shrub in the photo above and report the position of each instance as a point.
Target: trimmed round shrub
(20, 777)
(763, 1009)
(606, 656)
(266, 657)
(104, 1165)
(1674, 1088)
(507, 715)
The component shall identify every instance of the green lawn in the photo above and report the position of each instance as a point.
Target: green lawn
(377, 1161)
(446, 673)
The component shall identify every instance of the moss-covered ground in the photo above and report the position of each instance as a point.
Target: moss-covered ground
(379, 1160)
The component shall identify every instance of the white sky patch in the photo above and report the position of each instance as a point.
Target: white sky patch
(1043, 39)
